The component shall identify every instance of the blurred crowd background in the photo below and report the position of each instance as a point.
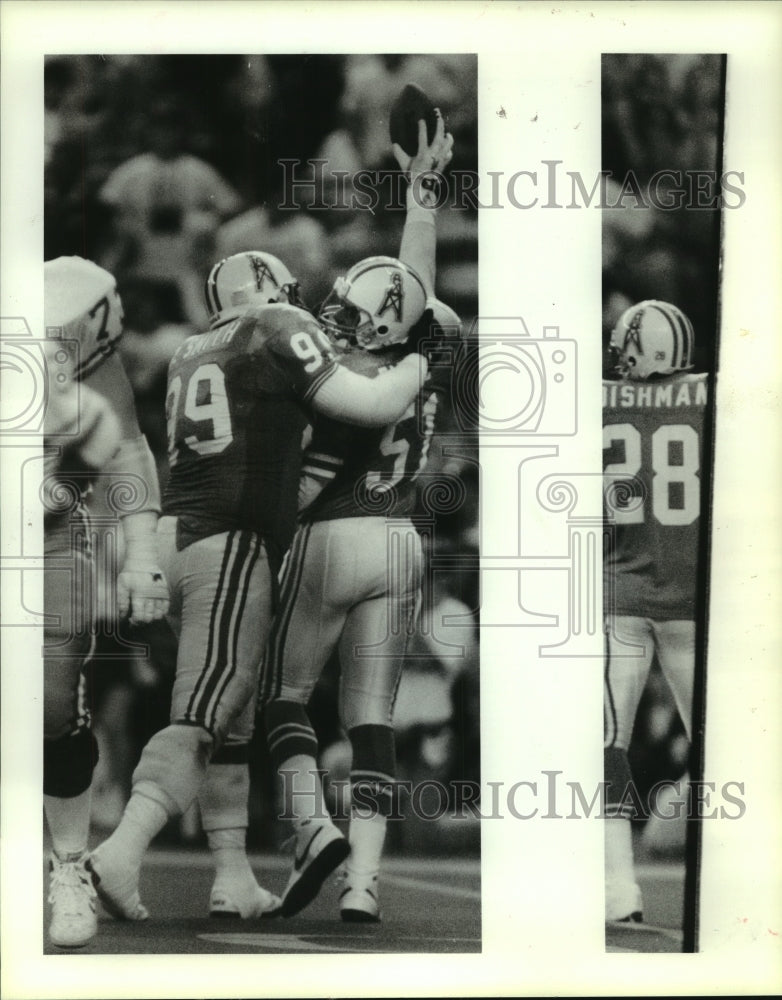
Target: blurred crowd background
(662, 113)
(157, 167)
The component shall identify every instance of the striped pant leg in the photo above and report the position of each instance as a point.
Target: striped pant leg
(223, 595)
(307, 626)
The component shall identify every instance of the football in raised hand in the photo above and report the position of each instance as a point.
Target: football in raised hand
(410, 106)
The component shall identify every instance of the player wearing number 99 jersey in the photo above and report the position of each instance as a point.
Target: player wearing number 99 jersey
(239, 398)
(351, 583)
(652, 447)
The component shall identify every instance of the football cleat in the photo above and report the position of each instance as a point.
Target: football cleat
(245, 900)
(248, 279)
(320, 848)
(375, 304)
(358, 900)
(651, 338)
(624, 903)
(72, 896)
(117, 891)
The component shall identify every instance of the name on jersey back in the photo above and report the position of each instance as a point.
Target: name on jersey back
(203, 342)
(657, 395)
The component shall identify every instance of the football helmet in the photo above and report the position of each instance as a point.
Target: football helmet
(246, 279)
(651, 338)
(72, 287)
(374, 304)
(444, 316)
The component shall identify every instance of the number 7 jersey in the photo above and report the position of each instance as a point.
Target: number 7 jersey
(652, 465)
(235, 408)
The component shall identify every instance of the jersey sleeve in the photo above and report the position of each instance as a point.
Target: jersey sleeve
(305, 355)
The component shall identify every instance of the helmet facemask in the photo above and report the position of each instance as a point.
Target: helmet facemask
(375, 305)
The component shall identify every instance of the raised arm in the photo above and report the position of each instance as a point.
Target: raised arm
(418, 247)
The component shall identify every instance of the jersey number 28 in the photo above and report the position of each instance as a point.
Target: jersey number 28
(675, 464)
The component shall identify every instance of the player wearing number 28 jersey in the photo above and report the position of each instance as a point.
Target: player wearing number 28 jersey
(652, 448)
(239, 397)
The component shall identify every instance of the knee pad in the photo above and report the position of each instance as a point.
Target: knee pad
(173, 766)
(68, 764)
(620, 791)
(373, 770)
(288, 731)
(224, 795)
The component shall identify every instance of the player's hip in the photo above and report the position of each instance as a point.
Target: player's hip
(354, 559)
(219, 562)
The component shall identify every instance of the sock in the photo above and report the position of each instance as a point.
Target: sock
(142, 820)
(619, 850)
(69, 823)
(367, 836)
(224, 815)
(229, 852)
(302, 790)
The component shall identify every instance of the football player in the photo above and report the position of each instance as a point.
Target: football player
(352, 584)
(90, 427)
(652, 457)
(238, 401)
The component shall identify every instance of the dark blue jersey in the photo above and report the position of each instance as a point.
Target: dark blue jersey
(360, 472)
(236, 411)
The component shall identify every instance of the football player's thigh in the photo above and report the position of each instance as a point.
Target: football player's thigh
(377, 630)
(316, 592)
(676, 653)
(226, 591)
(629, 651)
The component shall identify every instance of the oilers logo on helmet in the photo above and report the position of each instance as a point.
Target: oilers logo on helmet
(246, 279)
(652, 338)
(393, 297)
(375, 304)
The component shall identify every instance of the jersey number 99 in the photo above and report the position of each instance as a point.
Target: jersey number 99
(205, 406)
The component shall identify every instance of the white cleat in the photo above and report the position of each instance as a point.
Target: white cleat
(246, 900)
(72, 896)
(358, 900)
(623, 902)
(117, 890)
(320, 848)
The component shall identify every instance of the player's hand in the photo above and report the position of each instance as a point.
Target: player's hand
(142, 593)
(434, 156)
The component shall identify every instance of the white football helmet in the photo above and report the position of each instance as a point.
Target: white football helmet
(246, 279)
(652, 338)
(375, 303)
(444, 316)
